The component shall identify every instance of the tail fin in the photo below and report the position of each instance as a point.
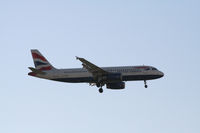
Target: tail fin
(41, 63)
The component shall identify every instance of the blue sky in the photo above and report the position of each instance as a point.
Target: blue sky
(164, 34)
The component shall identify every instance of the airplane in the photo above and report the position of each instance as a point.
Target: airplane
(112, 77)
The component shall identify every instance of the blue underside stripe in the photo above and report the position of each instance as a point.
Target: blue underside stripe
(38, 63)
(124, 78)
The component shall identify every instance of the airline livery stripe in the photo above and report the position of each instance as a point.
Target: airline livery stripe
(38, 63)
(36, 56)
(32, 74)
(45, 68)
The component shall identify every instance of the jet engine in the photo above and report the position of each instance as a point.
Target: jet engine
(117, 85)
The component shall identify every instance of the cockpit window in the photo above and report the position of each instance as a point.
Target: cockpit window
(154, 69)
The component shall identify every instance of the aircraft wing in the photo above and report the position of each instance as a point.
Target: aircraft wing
(95, 70)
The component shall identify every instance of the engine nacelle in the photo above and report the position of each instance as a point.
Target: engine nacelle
(118, 85)
(114, 77)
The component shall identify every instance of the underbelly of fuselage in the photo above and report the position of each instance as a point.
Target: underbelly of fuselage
(92, 80)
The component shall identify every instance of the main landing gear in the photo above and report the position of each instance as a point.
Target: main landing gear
(100, 87)
(145, 84)
(100, 90)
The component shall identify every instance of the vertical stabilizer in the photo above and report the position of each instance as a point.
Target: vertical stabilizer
(41, 63)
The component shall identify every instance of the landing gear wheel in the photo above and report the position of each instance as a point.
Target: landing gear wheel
(100, 90)
(98, 84)
(145, 84)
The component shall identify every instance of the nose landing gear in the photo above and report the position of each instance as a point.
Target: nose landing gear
(145, 84)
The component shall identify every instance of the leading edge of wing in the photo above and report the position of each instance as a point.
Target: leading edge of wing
(91, 67)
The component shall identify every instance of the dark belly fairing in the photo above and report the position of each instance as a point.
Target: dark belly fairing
(92, 80)
(76, 80)
(140, 77)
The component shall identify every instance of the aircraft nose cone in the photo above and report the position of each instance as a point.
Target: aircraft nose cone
(161, 74)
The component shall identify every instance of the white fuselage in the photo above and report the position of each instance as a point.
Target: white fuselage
(112, 77)
(128, 73)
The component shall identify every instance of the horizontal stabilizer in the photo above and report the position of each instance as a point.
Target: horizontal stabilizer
(36, 71)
